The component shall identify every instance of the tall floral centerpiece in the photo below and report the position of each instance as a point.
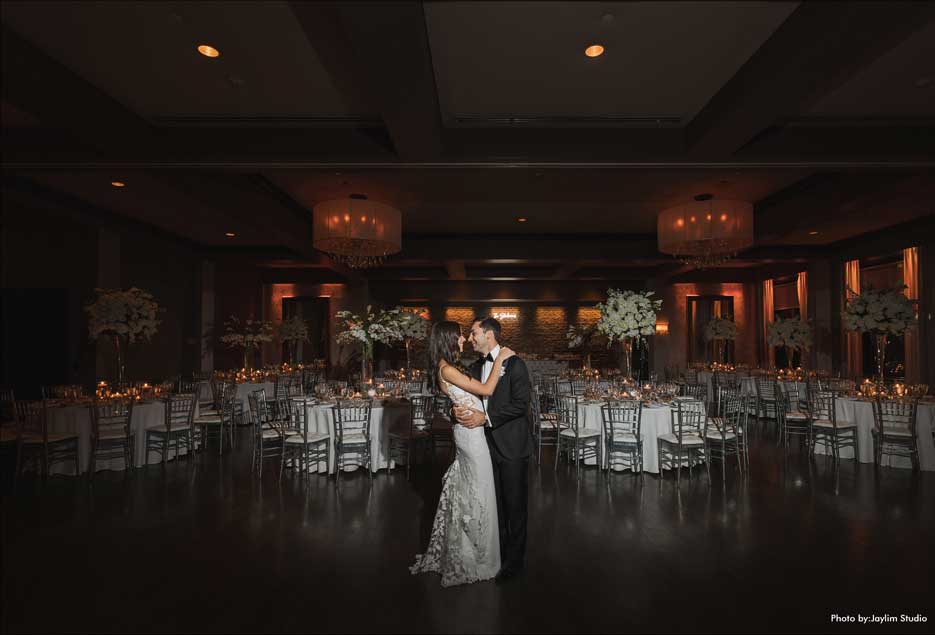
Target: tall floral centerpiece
(293, 330)
(627, 316)
(248, 335)
(719, 330)
(581, 338)
(366, 330)
(125, 317)
(415, 328)
(881, 313)
(792, 334)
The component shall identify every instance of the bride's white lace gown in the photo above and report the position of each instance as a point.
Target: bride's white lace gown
(465, 542)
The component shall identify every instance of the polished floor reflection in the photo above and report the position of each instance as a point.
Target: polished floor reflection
(210, 548)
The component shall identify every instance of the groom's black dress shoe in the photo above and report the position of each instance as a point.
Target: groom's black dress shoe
(507, 573)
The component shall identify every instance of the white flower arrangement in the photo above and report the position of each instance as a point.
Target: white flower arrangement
(293, 329)
(373, 327)
(792, 333)
(627, 314)
(720, 329)
(412, 325)
(883, 311)
(247, 334)
(580, 337)
(130, 313)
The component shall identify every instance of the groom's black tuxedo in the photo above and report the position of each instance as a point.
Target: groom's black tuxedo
(510, 445)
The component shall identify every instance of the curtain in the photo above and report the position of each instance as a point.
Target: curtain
(802, 290)
(852, 349)
(769, 315)
(911, 339)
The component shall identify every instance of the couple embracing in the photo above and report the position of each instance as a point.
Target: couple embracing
(479, 530)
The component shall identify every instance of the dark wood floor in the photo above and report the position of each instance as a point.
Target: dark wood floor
(211, 548)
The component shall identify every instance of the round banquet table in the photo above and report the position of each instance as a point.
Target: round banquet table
(748, 385)
(76, 419)
(656, 420)
(861, 412)
(383, 416)
(243, 391)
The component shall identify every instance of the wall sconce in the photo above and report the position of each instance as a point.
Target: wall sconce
(662, 327)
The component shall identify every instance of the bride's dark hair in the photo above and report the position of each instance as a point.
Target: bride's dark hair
(443, 345)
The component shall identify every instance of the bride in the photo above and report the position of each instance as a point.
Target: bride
(465, 542)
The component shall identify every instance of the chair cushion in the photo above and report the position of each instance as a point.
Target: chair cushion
(796, 416)
(271, 434)
(208, 420)
(712, 433)
(551, 425)
(404, 433)
(687, 439)
(550, 416)
(825, 423)
(313, 437)
(112, 435)
(354, 439)
(582, 434)
(894, 432)
(624, 437)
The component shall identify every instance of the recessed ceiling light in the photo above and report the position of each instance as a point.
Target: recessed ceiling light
(118, 183)
(595, 50)
(521, 219)
(812, 233)
(230, 234)
(208, 51)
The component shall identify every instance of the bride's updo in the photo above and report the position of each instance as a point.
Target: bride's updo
(443, 345)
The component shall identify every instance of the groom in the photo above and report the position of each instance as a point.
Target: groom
(508, 437)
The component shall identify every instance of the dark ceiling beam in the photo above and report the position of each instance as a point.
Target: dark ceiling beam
(565, 270)
(39, 85)
(470, 292)
(818, 47)
(378, 53)
(455, 270)
(832, 197)
(517, 249)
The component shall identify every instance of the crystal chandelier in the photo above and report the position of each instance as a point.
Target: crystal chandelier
(356, 231)
(706, 233)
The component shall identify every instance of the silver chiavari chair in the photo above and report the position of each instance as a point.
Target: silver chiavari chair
(407, 438)
(578, 443)
(622, 426)
(724, 434)
(268, 437)
(35, 443)
(578, 386)
(564, 387)
(793, 423)
(827, 428)
(895, 430)
(179, 426)
(544, 430)
(111, 434)
(766, 404)
(213, 425)
(309, 447)
(685, 442)
(440, 425)
(7, 410)
(352, 434)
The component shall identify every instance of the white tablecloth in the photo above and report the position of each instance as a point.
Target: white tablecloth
(656, 421)
(77, 420)
(383, 416)
(861, 412)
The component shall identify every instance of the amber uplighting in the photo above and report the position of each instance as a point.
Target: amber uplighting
(595, 50)
(662, 327)
(208, 51)
(118, 184)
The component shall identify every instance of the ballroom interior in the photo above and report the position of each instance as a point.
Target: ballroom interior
(257, 179)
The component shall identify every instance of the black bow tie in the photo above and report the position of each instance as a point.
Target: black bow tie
(489, 358)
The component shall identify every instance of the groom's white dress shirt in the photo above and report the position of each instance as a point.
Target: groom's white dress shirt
(485, 374)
